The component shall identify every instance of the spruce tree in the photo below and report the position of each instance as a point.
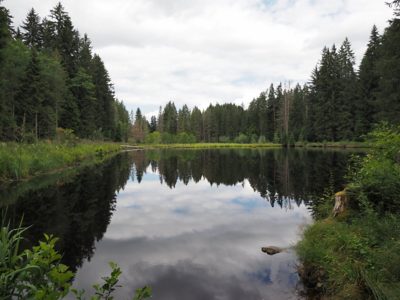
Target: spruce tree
(5, 28)
(297, 115)
(85, 53)
(196, 123)
(388, 70)
(32, 30)
(83, 91)
(184, 119)
(30, 98)
(66, 38)
(348, 94)
(170, 118)
(153, 124)
(106, 116)
(369, 83)
(270, 122)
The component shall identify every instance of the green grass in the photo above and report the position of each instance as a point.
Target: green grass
(360, 259)
(208, 146)
(21, 161)
(341, 144)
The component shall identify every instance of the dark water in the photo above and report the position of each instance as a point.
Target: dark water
(188, 223)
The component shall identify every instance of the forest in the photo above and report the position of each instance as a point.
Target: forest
(50, 80)
(339, 103)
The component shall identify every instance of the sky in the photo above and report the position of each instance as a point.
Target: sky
(207, 51)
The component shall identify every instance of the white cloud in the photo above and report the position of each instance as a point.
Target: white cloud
(203, 51)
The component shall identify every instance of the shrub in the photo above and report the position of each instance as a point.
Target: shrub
(185, 138)
(153, 138)
(242, 139)
(378, 179)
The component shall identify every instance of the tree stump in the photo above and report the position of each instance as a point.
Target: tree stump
(341, 203)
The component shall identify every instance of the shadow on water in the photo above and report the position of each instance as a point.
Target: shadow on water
(190, 223)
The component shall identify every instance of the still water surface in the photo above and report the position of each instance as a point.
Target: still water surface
(188, 223)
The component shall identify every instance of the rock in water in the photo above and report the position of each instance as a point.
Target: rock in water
(271, 250)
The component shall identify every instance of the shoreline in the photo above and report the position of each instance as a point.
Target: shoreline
(324, 145)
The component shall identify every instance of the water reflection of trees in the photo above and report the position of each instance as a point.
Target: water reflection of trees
(77, 209)
(280, 176)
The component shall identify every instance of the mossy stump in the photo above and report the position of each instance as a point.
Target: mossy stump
(341, 203)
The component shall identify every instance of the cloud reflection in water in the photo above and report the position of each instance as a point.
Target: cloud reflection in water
(198, 241)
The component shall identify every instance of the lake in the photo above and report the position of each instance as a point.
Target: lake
(188, 223)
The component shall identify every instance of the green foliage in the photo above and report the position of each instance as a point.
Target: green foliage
(378, 179)
(31, 274)
(185, 138)
(37, 273)
(358, 252)
(49, 78)
(242, 139)
(153, 138)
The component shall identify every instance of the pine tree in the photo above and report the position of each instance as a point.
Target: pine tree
(270, 123)
(85, 53)
(388, 70)
(106, 116)
(160, 123)
(298, 111)
(153, 124)
(66, 38)
(369, 82)
(53, 79)
(348, 93)
(5, 28)
(196, 123)
(32, 30)
(30, 98)
(48, 35)
(184, 119)
(396, 6)
(83, 91)
(170, 118)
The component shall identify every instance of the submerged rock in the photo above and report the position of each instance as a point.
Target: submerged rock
(271, 250)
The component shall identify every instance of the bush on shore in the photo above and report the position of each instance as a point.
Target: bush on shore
(357, 256)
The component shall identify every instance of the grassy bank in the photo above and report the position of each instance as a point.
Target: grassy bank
(208, 146)
(345, 145)
(342, 144)
(21, 161)
(356, 255)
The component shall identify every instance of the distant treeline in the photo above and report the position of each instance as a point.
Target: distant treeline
(339, 103)
(49, 79)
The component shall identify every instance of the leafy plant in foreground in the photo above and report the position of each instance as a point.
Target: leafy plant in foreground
(38, 273)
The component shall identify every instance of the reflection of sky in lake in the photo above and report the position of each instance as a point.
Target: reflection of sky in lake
(198, 242)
